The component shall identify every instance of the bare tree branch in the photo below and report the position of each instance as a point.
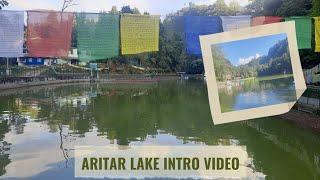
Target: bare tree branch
(67, 4)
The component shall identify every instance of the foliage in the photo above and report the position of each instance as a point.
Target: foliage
(279, 7)
(276, 62)
(129, 10)
(172, 56)
(315, 8)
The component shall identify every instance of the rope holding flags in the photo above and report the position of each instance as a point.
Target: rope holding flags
(49, 33)
(303, 30)
(11, 33)
(97, 36)
(103, 36)
(139, 33)
(199, 25)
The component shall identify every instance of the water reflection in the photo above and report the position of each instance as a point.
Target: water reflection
(41, 126)
(253, 93)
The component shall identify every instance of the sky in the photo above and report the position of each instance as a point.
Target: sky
(155, 7)
(243, 51)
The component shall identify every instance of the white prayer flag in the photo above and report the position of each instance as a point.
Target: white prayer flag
(230, 23)
(11, 33)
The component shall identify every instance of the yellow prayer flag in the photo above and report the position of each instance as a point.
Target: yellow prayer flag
(317, 33)
(139, 33)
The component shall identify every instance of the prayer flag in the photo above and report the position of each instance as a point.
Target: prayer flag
(317, 33)
(303, 31)
(11, 33)
(139, 33)
(173, 25)
(49, 33)
(261, 20)
(230, 23)
(199, 25)
(97, 36)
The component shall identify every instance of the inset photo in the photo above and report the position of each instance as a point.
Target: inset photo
(252, 69)
(254, 77)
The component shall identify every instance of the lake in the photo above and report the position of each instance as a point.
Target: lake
(256, 92)
(40, 126)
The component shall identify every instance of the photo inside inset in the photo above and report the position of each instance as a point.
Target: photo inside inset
(253, 73)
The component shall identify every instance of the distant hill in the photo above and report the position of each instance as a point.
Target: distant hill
(276, 62)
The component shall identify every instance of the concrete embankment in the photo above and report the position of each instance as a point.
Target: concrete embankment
(17, 85)
(302, 119)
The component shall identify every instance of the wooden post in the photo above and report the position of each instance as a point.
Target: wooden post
(8, 70)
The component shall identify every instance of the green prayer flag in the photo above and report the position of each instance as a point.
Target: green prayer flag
(303, 30)
(139, 33)
(97, 36)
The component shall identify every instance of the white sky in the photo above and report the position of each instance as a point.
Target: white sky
(156, 7)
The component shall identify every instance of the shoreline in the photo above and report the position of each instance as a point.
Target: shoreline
(301, 119)
(9, 86)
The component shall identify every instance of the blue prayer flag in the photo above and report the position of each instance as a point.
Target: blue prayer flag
(199, 25)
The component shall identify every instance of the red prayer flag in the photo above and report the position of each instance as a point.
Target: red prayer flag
(272, 19)
(49, 33)
(256, 21)
(260, 20)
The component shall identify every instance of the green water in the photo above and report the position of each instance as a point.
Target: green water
(39, 128)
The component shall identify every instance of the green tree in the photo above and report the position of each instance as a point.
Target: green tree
(126, 9)
(292, 7)
(234, 7)
(114, 10)
(135, 11)
(3, 3)
(220, 7)
(315, 8)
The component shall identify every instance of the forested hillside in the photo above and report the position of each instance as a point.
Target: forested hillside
(172, 55)
(276, 62)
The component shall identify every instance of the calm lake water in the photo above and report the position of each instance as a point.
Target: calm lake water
(39, 128)
(254, 93)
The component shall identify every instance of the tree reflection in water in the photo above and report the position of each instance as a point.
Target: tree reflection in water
(126, 114)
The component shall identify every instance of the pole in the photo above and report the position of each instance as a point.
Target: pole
(8, 70)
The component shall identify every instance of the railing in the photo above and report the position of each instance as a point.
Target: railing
(64, 72)
(310, 100)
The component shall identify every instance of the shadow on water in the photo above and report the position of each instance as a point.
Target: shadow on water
(40, 128)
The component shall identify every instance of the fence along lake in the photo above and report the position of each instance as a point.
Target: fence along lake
(40, 126)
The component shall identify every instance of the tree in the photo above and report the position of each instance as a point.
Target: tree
(292, 8)
(3, 3)
(234, 7)
(126, 9)
(279, 7)
(315, 8)
(114, 10)
(135, 11)
(221, 8)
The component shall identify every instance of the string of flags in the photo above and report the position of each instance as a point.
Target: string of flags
(102, 35)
